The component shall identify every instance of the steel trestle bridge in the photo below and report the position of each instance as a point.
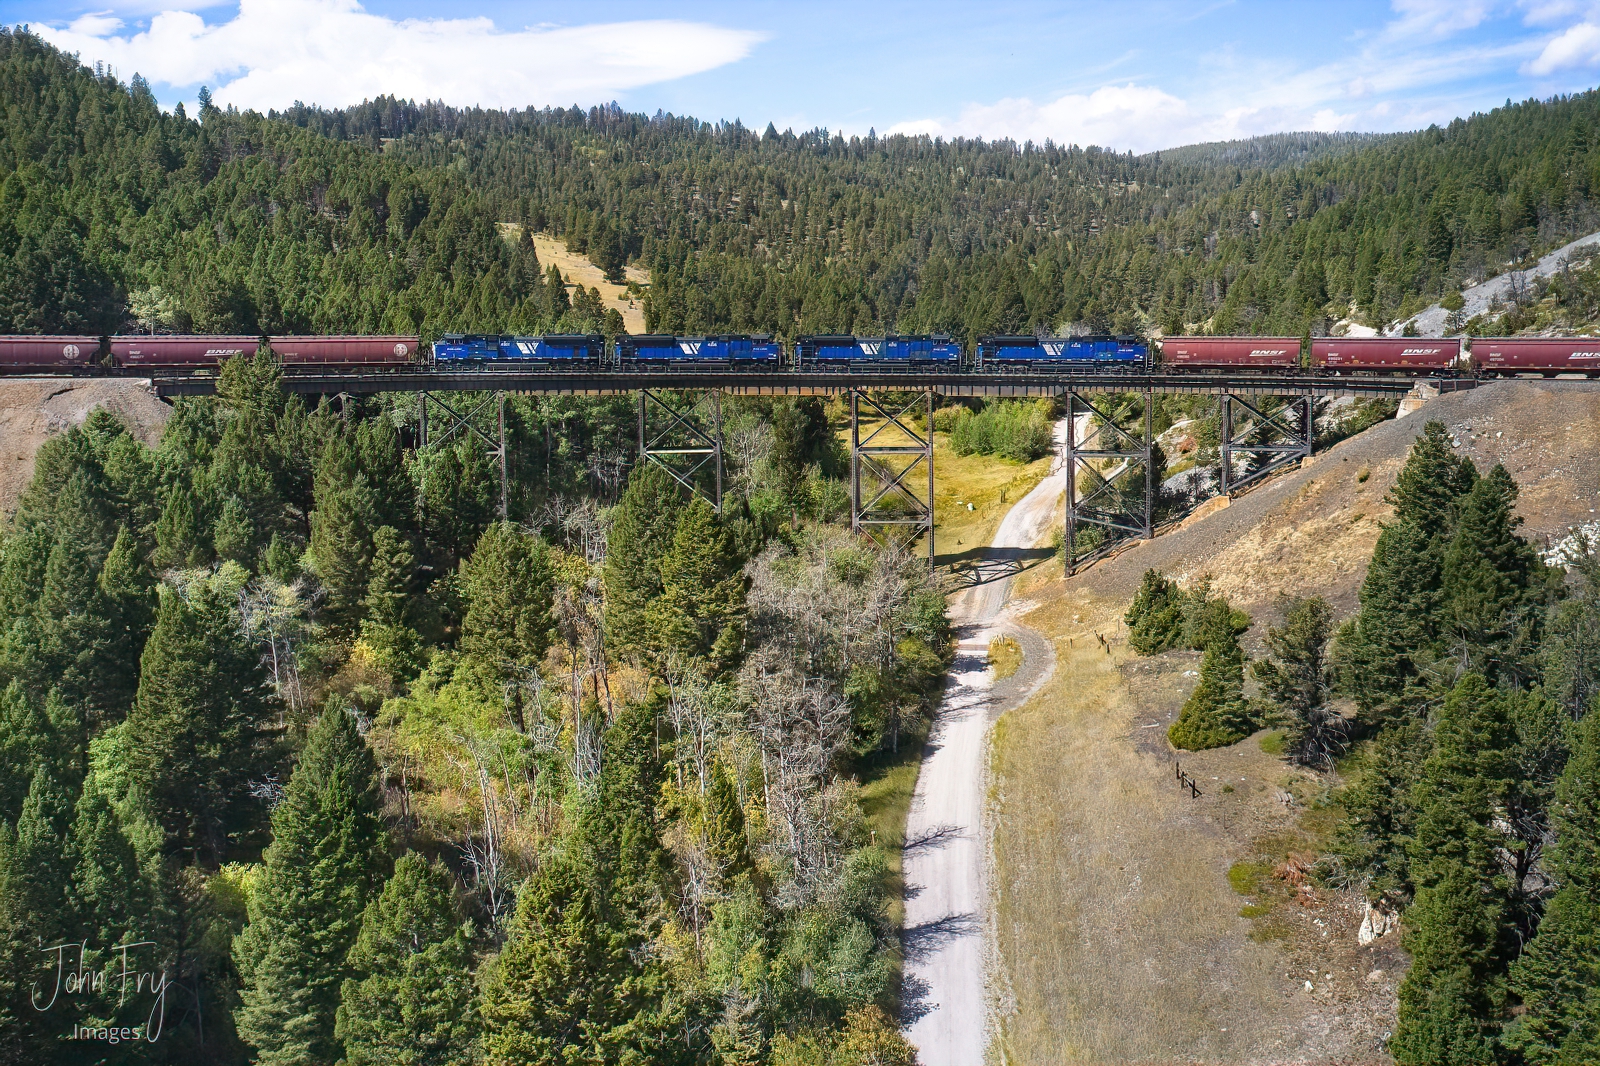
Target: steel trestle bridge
(1267, 424)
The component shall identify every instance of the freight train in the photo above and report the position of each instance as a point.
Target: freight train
(1323, 357)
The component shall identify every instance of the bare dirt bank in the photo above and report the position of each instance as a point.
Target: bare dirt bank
(32, 410)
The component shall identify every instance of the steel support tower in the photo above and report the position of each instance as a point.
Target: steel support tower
(1266, 442)
(681, 443)
(893, 459)
(1117, 500)
(456, 423)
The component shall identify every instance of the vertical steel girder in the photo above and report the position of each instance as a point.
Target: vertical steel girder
(891, 510)
(682, 447)
(455, 423)
(1119, 501)
(1272, 440)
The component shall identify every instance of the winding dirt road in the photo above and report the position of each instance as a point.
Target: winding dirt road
(946, 847)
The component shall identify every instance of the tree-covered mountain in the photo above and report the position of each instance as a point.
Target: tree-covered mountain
(383, 217)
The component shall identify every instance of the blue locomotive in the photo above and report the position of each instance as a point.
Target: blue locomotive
(554, 350)
(727, 349)
(894, 351)
(1035, 353)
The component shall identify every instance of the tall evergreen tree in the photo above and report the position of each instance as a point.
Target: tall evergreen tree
(1453, 998)
(386, 628)
(348, 512)
(642, 529)
(195, 732)
(410, 1001)
(1491, 581)
(573, 983)
(699, 612)
(1391, 647)
(1295, 679)
(33, 919)
(1431, 482)
(327, 860)
(507, 587)
(1155, 618)
(1216, 712)
(38, 733)
(1558, 974)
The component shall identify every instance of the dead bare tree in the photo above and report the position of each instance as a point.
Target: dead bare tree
(276, 616)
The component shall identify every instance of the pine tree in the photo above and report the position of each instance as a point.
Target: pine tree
(642, 530)
(409, 1003)
(195, 729)
(117, 897)
(507, 587)
(385, 629)
(1433, 479)
(698, 615)
(572, 983)
(327, 860)
(1216, 712)
(1558, 974)
(1491, 580)
(36, 733)
(128, 592)
(347, 514)
(1453, 997)
(33, 916)
(179, 541)
(1380, 807)
(1295, 679)
(1390, 648)
(1155, 618)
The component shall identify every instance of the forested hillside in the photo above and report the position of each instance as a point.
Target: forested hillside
(382, 217)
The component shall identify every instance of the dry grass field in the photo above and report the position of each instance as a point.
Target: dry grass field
(578, 269)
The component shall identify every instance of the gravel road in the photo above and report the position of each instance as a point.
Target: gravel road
(946, 849)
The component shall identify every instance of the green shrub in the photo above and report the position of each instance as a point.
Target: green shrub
(1273, 743)
(1011, 429)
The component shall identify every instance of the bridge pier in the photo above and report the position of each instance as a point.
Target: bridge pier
(1120, 507)
(1274, 440)
(893, 509)
(456, 423)
(683, 447)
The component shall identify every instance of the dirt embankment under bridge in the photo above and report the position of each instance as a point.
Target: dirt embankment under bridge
(32, 410)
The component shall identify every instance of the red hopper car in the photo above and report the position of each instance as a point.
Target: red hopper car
(1231, 353)
(179, 352)
(53, 354)
(1385, 353)
(344, 352)
(1548, 356)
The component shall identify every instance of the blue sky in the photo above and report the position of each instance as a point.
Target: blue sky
(1133, 74)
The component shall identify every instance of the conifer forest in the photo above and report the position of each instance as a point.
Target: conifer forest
(315, 749)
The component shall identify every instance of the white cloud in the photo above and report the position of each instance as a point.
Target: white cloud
(1406, 76)
(1578, 46)
(96, 24)
(1126, 116)
(333, 53)
(1437, 18)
